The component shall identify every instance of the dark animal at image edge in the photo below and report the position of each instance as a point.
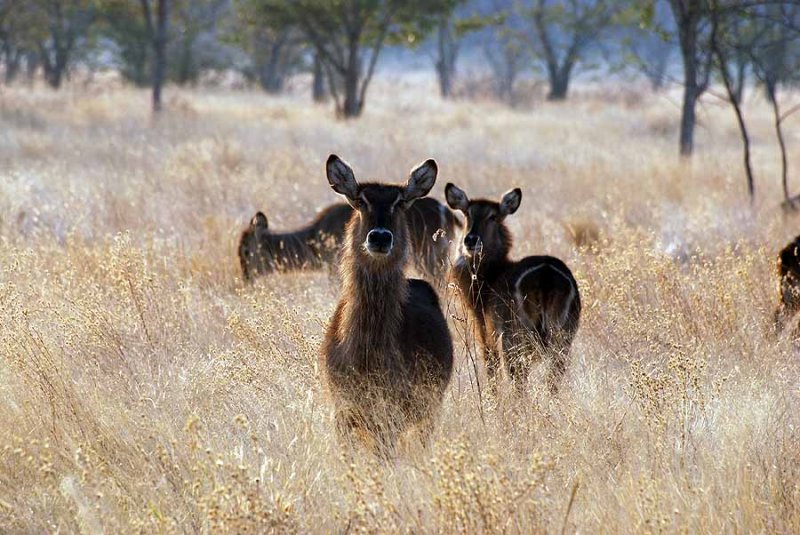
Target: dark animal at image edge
(316, 245)
(387, 355)
(789, 285)
(531, 307)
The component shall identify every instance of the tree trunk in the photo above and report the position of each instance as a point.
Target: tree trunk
(773, 98)
(688, 120)
(352, 105)
(559, 83)
(658, 73)
(446, 61)
(688, 42)
(741, 78)
(770, 89)
(13, 62)
(31, 66)
(160, 50)
(319, 94)
(271, 75)
(186, 66)
(53, 69)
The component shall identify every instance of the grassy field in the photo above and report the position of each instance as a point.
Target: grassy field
(144, 387)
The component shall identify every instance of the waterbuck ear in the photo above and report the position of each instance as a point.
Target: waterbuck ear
(341, 178)
(456, 197)
(420, 181)
(259, 221)
(510, 202)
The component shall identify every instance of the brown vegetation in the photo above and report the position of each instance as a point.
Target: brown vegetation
(143, 387)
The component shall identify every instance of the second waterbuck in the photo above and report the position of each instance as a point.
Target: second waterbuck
(789, 289)
(387, 354)
(530, 307)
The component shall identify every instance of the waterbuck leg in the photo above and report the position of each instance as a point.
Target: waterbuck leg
(517, 360)
(559, 354)
(492, 361)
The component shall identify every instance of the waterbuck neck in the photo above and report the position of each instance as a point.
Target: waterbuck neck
(372, 313)
(483, 267)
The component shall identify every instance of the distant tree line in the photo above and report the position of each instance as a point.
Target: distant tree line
(339, 42)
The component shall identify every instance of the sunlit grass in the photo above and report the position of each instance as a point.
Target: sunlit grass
(143, 386)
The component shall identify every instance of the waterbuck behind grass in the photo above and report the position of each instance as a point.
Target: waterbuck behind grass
(316, 245)
(312, 247)
(387, 354)
(530, 307)
(789, 289)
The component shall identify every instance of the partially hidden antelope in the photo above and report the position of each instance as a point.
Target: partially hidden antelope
(529, 308)
(311, 247)
(316, 245)
(387, 354)
(789, 285)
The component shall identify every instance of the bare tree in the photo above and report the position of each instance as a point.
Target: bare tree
(447, 52)
(692, 22)
(648, 43)
(319, 90)
(768, 34)
(508, 57)
(157, 28)
(451, 28)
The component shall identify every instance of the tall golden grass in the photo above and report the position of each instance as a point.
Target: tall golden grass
(144, 387)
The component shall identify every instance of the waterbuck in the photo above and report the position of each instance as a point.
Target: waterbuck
(789, 289)
(316, 245)
(387, 354)
(311, 247)
(530, 307)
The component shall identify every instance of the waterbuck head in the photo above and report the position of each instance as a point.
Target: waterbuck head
(378, 229)
(253, 248)
(485, 232)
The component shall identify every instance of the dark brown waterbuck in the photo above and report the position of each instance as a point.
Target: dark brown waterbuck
(530, 307)
(387, 354)
(311, 247)
(316, 245)
(789, 288)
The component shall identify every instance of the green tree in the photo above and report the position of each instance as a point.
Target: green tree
(563, 32)
(348, 36)
(276, 51)
(451, 27)
(53, 28)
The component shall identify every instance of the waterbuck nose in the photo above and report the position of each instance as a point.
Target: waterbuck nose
(379, 240)
(471, 241)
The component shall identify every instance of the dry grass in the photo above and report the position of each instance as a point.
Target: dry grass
(143, 387)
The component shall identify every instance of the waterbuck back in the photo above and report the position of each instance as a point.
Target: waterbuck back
(316, 245)
(387, 355)
(308, 248)
(530, 307)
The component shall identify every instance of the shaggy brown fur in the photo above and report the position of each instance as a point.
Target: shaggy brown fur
(531, 307)
(317, 244)
(387, 354)
(789, 288)
(311, 247)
